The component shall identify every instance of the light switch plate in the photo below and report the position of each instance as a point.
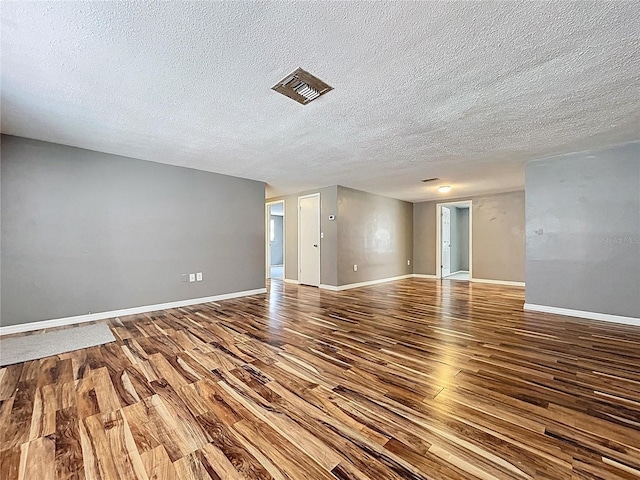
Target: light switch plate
(199, 277)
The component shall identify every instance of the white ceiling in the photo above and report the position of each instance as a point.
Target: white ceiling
(462, 91)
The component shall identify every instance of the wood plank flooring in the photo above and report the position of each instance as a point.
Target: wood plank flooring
(415, 379)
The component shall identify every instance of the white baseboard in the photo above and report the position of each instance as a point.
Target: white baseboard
(290, 280)
(479, 280)
(364, 284)
(498, 282)
(333, 288)
(59, 322)
(605, 317)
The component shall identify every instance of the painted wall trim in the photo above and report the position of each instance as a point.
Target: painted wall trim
(59, 322)
(498, 282)
(455, 273)
(364, 284)
(290, 280)
(605, 317)
(422, 275)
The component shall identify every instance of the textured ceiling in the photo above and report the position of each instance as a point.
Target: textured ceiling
(462, 91)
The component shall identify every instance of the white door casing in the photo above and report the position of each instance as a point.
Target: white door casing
(446, 241)
(267, 258)
(309, 239)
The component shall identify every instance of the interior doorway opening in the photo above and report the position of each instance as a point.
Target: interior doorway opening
(275, 241)
(454, 241)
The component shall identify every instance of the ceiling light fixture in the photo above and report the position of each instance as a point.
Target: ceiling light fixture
(444, 188)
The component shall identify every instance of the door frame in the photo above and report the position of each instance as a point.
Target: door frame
(267, 217)
(319, 239)
(442, 209)
(461, 203)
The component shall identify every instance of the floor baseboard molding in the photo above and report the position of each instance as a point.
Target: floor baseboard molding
(333, 288)
(605, 317)
(498, 282)
(60, 322)
(364, 284)
(290, 280)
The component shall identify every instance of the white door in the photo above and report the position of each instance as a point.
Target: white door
(446, 241)
(309, 239)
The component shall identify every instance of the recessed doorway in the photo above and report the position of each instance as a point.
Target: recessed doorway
(275, 242)
(454, 240)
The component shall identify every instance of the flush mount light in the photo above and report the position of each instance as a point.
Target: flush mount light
(444, 188)
(301, 86)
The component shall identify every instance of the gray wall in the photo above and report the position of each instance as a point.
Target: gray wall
(498, 236)
(498, 251)
(583, 231)
(328, 244)
(87, 232)
(424, 238)
(278, 239)
(375, 233)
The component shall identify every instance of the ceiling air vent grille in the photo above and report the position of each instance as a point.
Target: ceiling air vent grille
(302, 87)
(427, 180)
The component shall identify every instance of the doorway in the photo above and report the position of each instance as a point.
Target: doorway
(454, 240)
(309, 240)
(275, 240)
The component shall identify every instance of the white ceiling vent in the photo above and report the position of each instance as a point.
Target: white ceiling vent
(302, 87)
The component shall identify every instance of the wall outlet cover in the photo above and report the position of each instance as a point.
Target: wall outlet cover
(355, 268)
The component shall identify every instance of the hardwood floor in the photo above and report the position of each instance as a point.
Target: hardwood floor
(413, 379)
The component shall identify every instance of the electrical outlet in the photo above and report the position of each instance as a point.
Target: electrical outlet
(355, 268)
(408, 262)
(192, 277)
(199, 277)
